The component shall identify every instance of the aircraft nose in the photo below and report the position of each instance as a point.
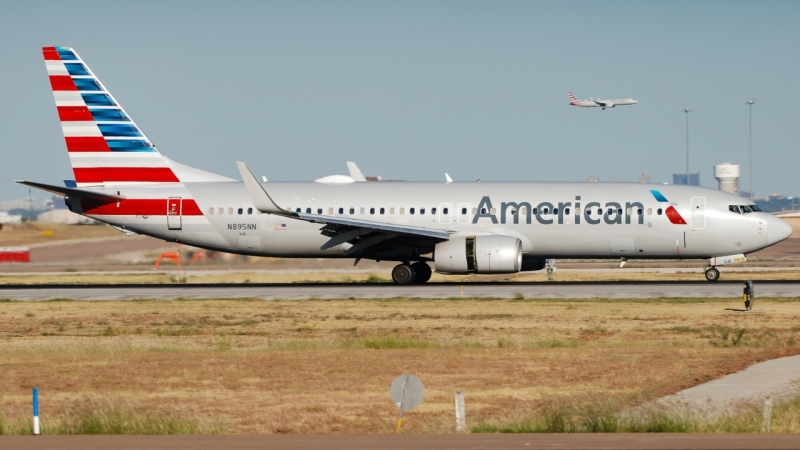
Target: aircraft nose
(777, 230)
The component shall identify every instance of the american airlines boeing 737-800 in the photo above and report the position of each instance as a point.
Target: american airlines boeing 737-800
(123, 180)
(595, 103)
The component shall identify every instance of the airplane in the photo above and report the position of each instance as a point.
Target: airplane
(461, 227)
(593, 103)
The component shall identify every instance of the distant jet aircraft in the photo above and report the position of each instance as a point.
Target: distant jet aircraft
(593, 103)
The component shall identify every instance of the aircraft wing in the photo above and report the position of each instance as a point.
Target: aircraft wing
(73, 192)
(363, 233)
(604, 103)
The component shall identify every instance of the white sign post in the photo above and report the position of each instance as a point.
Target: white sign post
(461, 420)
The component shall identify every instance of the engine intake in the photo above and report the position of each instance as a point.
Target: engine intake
(479, 254)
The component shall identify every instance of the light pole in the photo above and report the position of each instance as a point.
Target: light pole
(749, 104)
(687, 111)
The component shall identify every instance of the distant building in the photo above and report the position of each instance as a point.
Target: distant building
(592, 178)
(680, 178)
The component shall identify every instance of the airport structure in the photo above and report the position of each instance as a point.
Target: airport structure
(680, 178)
(728, 176)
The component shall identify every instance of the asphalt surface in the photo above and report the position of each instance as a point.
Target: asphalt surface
(777, 379)
(392, 442)
(720, 289)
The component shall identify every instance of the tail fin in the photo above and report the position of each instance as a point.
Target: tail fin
(572, 100)
(105, 146)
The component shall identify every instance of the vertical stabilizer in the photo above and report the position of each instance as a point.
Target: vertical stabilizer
(105, 145)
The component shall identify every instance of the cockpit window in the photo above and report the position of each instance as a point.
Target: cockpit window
(734, 209)
(745, 209)
(756, 208)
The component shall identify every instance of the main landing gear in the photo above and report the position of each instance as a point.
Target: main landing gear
(712, 274)
(406, 273)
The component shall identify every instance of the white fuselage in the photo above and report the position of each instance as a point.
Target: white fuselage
(554, 220)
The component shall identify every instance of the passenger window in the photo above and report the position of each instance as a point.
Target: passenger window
(536, 210)
(659, 211)
(298, 210)
(483, 210)
(402, 211)
(433, 210)
(734, 209)
(341, 211)
(513, 212)
(629, 211)
(422, 210)
(493, 211)
(330, 211)
(221, 211)
(463, 211)
(555, 210)
(650, 211)
(599, 212)
(411, 211)
(445, 210)
(372, 210)
(249, 210)
(230, 211)
(352, 210)
(362, 210)
(640, 211)
(319, 210)
(211, 211)
(383, 210)
(239, 211)
(577, 210)
(308, 210)
(391, 210)
(619, 211)
(545, 210)
(566, 211)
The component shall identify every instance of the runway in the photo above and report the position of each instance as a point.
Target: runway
(418, 441)
(682, 289)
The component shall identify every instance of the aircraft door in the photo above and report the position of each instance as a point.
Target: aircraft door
(463, 213)
(444, 213)
(697, 220)
(174, 205)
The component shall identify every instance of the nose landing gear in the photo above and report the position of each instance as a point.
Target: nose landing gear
(712, 274)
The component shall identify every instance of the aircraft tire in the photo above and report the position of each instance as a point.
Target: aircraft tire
(423, 272)
(403, 274)
(712, 274)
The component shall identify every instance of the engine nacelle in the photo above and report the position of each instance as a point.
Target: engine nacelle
(479, 254)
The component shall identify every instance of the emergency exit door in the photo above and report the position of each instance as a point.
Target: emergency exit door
(174, 205)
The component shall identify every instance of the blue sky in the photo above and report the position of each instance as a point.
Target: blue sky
(410, 90)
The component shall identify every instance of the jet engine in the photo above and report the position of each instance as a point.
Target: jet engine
(479, 254)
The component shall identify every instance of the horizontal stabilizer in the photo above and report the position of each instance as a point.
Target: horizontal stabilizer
(72, 192)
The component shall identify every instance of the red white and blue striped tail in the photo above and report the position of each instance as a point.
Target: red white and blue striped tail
(572, 100)
(105, 146)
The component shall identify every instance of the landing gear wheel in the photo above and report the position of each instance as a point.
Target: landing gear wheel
(423, 271)
(712, 274)
(403, 274)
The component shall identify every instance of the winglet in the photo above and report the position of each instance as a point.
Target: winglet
(355, 172)
(447, 178)
(261, 199)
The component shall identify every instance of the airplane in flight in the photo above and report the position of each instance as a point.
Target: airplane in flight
(594, 103)
(461, 227)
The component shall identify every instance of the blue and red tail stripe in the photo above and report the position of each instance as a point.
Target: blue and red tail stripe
(94, 123)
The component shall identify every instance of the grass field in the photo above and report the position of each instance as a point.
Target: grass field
(249, 366)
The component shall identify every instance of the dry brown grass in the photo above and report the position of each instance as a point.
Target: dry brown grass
(325, 366)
